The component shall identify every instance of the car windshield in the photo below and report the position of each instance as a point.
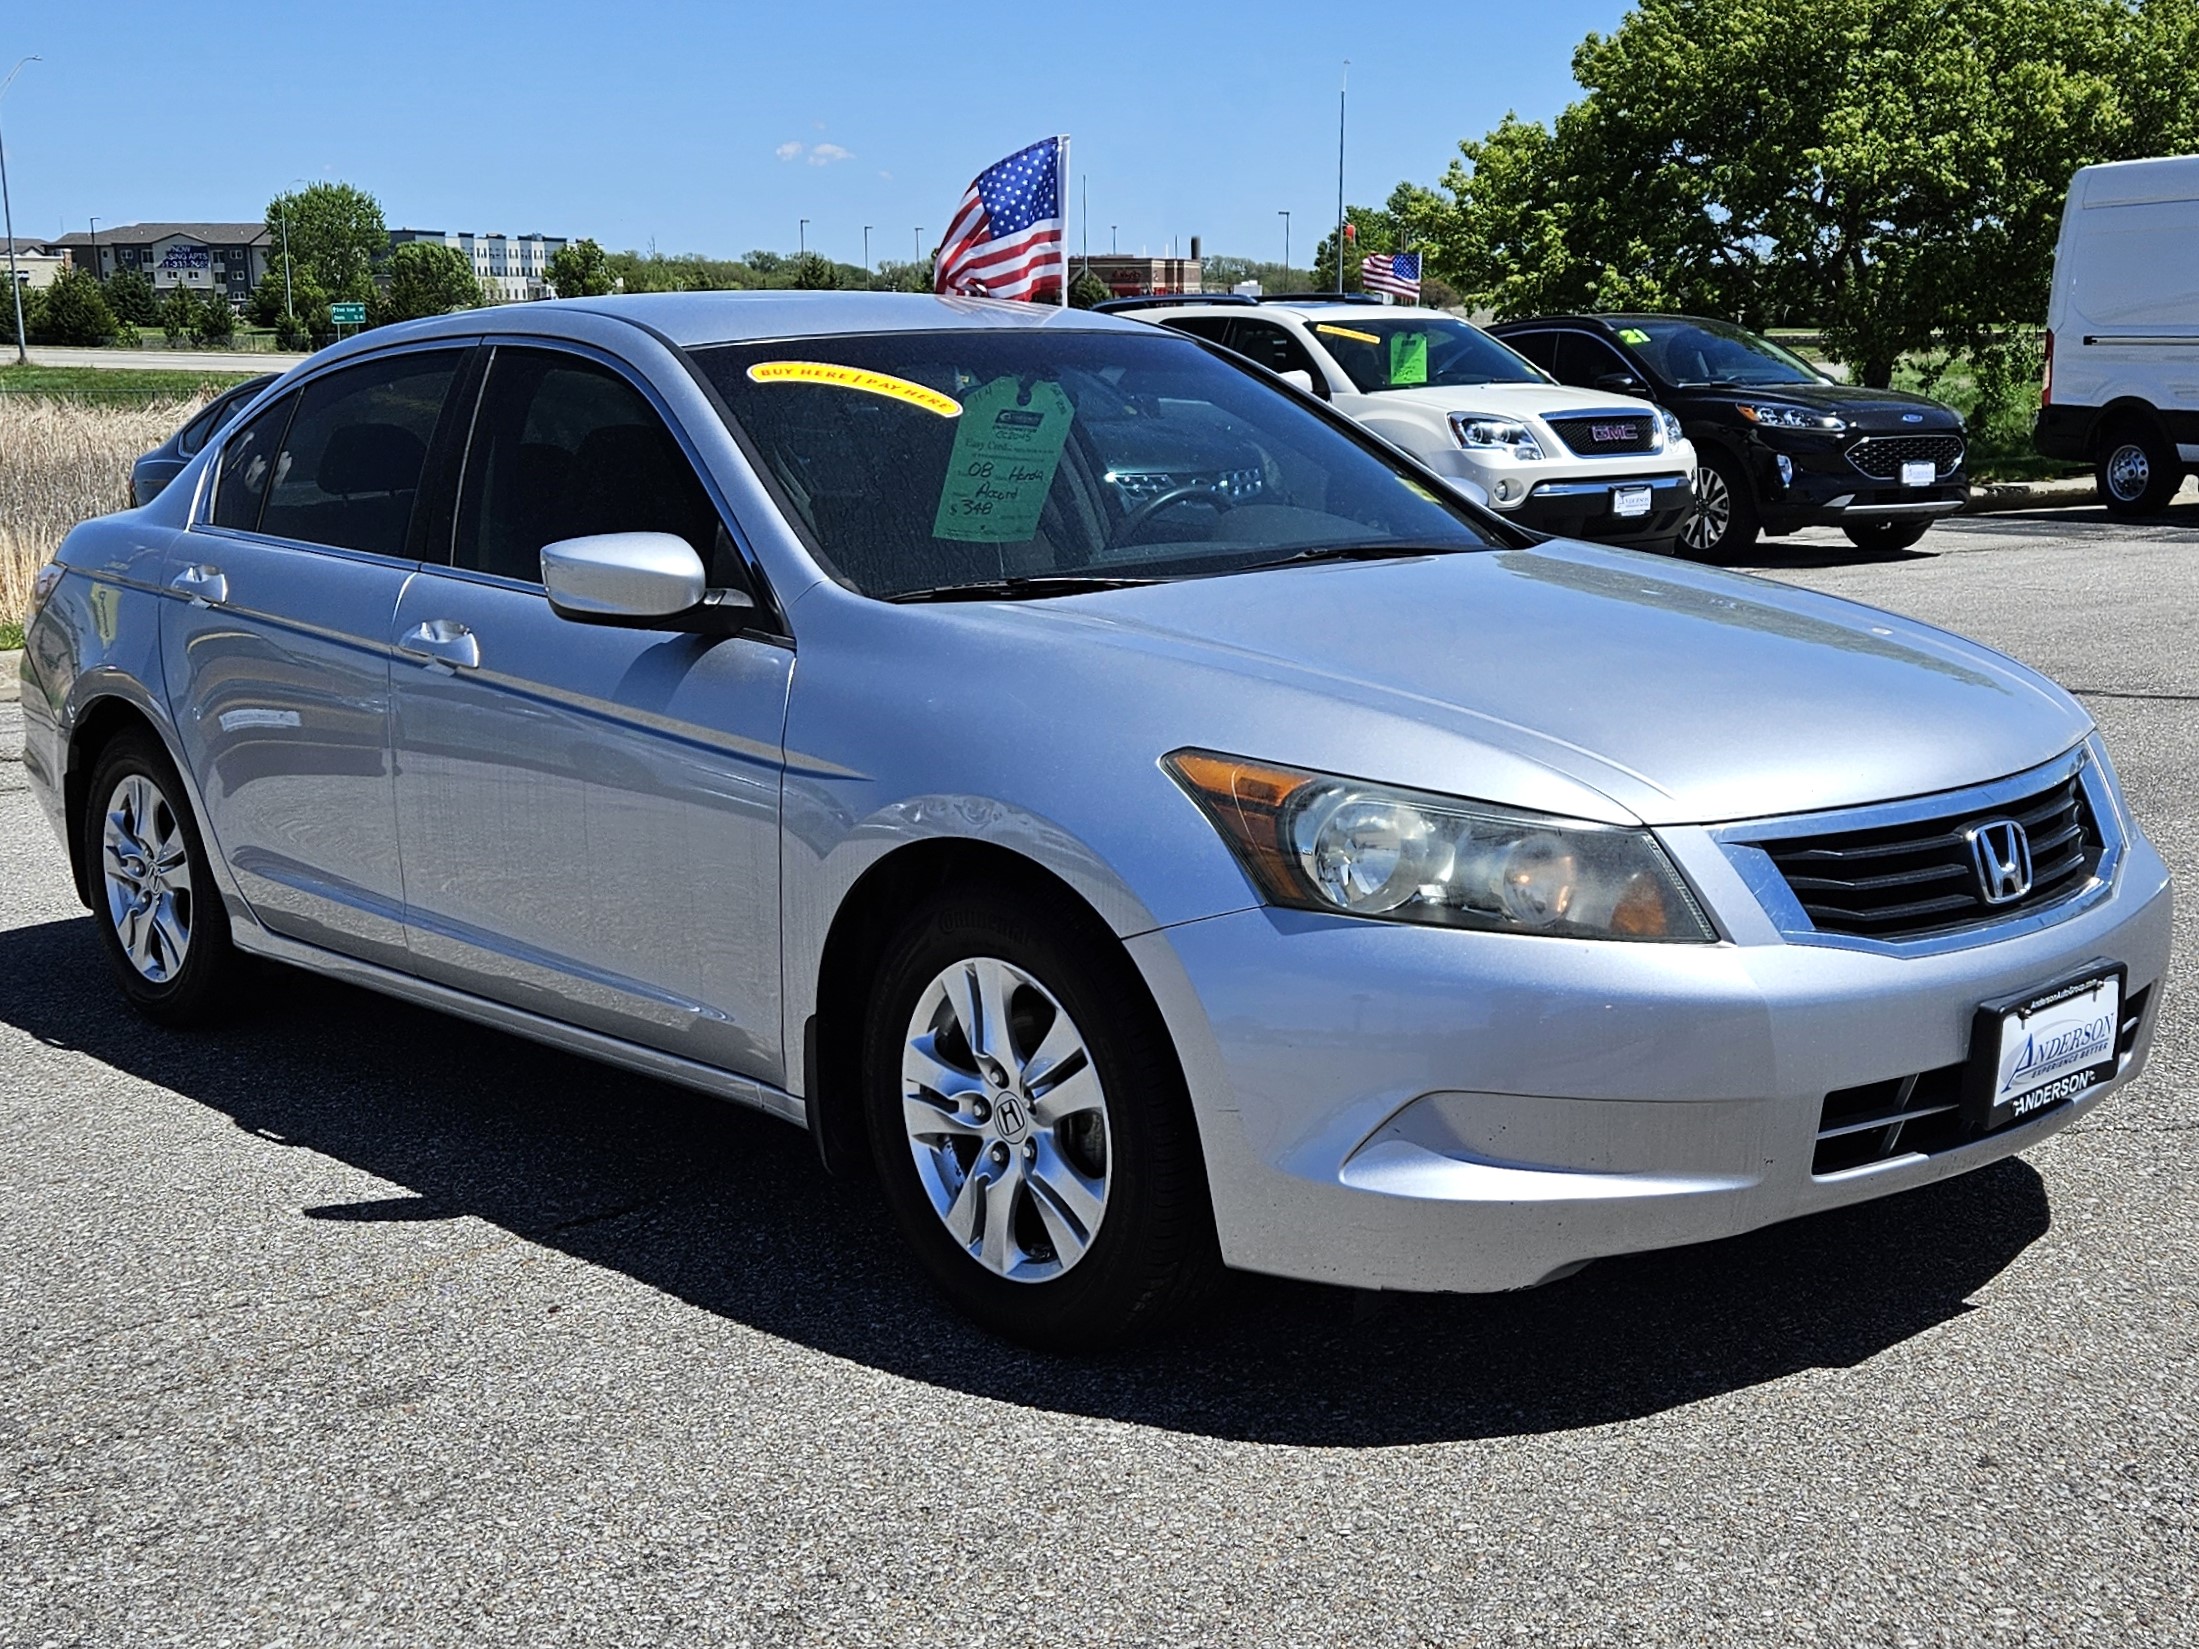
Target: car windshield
(1045, 460)
(1418, 350)
(1691, 353)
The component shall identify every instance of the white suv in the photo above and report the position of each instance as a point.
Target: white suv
(1580, 463)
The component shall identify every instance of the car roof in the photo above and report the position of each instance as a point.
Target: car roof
(696, 319)
(1302, 309)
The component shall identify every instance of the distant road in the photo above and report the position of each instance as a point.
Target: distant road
(241, 361)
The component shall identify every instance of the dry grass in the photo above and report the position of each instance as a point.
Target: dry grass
(60, 463)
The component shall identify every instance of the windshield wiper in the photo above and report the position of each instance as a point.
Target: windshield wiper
(1355, 552)
(1021, 589)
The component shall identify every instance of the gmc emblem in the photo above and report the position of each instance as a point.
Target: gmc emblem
(1612, 434)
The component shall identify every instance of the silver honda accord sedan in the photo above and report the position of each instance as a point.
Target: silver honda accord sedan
(1146, 822)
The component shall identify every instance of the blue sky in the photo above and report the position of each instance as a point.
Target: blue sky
(716, 128)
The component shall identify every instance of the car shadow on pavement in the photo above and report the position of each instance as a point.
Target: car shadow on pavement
(1785, 554)
(728, 1211)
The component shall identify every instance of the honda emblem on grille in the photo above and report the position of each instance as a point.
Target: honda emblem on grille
(1611, 432)
(2001, 854)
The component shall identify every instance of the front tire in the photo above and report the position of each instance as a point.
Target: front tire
(161, 920)
(2137, 472)
(1031, 1127)
(1724, 521)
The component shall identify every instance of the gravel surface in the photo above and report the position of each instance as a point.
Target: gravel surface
(350, 1325)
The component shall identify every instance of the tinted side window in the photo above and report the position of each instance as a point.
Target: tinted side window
(350, 464)
(1213, 328)
(1583, 359)
(563, 448)
(198, 429)
(1274, 348)
(1539, 347)
(246, 463)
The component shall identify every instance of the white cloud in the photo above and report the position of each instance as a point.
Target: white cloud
(788, 151)
(824, 154)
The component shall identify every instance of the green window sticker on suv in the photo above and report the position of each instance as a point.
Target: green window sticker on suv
(1006, 449)
(1408, 358)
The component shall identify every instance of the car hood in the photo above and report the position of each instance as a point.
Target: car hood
(1879, 410)
(1514, 400)
(1682, 694)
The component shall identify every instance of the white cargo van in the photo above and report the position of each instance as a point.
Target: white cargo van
(2122, 339)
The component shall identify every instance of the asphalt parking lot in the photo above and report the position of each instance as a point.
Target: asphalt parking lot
(352, 1325)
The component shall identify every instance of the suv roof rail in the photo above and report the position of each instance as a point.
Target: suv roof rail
(1177, 300)
(1321, 297)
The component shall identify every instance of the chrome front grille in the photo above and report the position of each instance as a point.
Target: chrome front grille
(1881, 456)
(1600, 434)
(1919, 876)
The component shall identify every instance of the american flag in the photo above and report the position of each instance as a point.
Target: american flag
(1006, 238)
(1397, 273)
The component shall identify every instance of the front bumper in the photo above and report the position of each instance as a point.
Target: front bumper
(1821, 487)
(1390, 1106)
(1575, 508)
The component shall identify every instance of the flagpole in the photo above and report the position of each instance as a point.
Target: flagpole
(1343, 87)
(1061, 203)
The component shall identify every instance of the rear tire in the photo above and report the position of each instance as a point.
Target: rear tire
(1887, 536)
(2137, 472)
(1724, 521)
(161, 921)
(1046, 1168)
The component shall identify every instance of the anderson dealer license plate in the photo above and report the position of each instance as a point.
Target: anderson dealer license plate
(1630, 501)
(2032, 1052)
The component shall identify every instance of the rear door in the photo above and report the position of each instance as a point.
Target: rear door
(275, 645)
(589, 816)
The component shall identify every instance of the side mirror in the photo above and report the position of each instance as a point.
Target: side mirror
(641, 580)
(1472, 491)
(1301, 377)
(1621, 383)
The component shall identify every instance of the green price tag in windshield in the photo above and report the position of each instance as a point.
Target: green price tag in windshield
(1007, 446)
(1408, 358)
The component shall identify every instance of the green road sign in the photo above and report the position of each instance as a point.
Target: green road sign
(348, 314)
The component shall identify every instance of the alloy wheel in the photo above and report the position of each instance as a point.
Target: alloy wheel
(1006, 1119)
(2129, 472)
(1705, 527)
(146, 867)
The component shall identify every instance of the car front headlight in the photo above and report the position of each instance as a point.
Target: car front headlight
(1314, 841)
(1474, 429)
(1674, 435)
(1772, 416)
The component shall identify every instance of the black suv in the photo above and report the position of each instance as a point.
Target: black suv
(1778, 444)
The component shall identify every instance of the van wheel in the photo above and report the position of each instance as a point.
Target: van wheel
(2138, 472)
(1723, 521)
(160, 917)
(1032, 1131)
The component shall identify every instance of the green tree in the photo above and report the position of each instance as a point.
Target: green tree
(74, 311)
(336, 235)
(130, 295)
(812, 272)
(892, 276)
(1088, 289)
(1889, 170)
(580, 270)
(427, 278)
(179, 312)
(212, 320)
(34, 317)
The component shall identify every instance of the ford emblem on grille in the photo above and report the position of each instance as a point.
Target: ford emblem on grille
(1912, 417)
(2001, 853)
(1609, 433)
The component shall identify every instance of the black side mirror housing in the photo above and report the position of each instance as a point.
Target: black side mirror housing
(1621, 383)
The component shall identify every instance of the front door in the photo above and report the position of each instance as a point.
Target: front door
(588, 816)
(275, 647)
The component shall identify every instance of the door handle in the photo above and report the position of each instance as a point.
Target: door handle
(203, 584)
(442, 643)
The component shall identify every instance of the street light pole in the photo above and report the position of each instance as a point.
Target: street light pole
(7, 212)
(1286, 244)
(866, 248)
(96, 275)
(801, 245)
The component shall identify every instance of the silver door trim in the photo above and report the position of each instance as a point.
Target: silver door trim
(611, 1050)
